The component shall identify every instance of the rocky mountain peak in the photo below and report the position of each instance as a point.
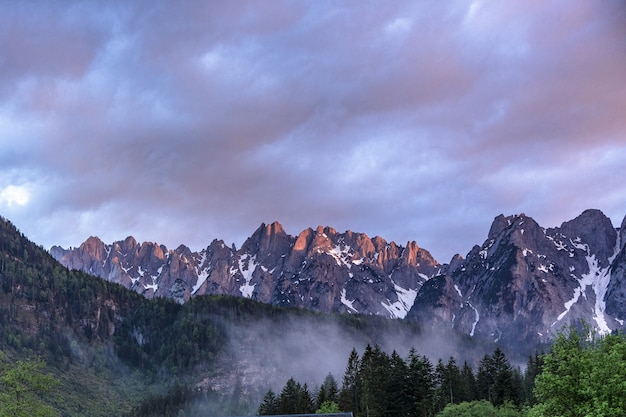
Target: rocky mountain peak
(304, 240)
(596, 230)
(126, 246)
(497, 226)
(270, 239)
(411, 253)
(322, 238)
(145, 250)
(183, 251)
(92, 244)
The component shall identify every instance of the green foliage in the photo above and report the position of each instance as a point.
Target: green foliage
(164, 333)
(582, 377)
(328, 392)
(328, 407)
(480, 408)
(23, 389)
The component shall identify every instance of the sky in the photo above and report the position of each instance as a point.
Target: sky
(183, 122)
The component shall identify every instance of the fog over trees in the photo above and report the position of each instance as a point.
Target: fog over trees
(581, 375)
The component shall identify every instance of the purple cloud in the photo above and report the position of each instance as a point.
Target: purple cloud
(409, 121)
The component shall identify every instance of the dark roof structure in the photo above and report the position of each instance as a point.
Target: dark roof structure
(313, 415)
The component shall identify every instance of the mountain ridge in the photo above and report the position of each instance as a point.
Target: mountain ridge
(524, 281)
(319, 269)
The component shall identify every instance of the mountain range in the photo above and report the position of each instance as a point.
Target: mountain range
(319, 269)
(518, 288)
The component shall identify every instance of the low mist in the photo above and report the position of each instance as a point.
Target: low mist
(264, 353)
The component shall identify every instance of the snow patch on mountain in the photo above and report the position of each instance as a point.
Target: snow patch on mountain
(598, 279)
(400, 308)
(154, 286)
(477, 318)
(600, 287)
(247, 265)
(203, 274)
(346, 302)
(342, 255)
(456, 287)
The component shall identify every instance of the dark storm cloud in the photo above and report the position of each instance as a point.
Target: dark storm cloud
(412, 121)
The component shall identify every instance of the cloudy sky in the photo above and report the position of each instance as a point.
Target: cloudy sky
(184, 122)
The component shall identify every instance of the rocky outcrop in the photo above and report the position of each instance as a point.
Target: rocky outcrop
(526, 282)
(319, 269)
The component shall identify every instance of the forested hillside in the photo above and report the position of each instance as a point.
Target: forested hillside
(109, 347)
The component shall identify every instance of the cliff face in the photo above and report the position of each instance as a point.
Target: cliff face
(525, 282)
(319, 269)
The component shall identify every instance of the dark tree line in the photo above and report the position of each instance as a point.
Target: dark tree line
(377, 384)
(295, 398)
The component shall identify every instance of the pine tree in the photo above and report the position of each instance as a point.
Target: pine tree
(467, 384)
(288, 400)
(495, 380)
(451, 381)
(328, 391)
(485, 378)
(320, 397)
(398, 390)
(331, 388)
(374, 377)
(349, 396)
(421, 380)
(305, 401)
(533, 368)
(504, 387)
(269, 406)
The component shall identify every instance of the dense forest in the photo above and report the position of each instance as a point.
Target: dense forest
(381, 384)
